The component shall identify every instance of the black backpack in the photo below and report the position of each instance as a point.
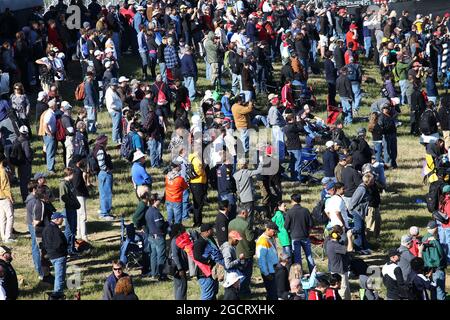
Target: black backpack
(17, 155)
(424, 123)
(318, 214)
(190, 171)
(92, 164)
(432, 198)
(127, 149)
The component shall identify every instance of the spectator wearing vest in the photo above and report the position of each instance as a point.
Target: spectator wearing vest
(175, 187)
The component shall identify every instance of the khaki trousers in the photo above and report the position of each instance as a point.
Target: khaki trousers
(6, 219)
(373, 221)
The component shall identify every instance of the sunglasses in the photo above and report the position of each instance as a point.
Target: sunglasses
(117, 269)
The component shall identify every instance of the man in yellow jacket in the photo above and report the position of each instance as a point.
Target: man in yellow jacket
(6, 205)
(241, 115)
(198, 186)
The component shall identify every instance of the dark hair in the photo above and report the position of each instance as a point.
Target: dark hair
(296, 197)
(32, 185)
(176, 230)
(417, 265)
(335, 278)
(153, 198)
(224, 204)
(338, 185)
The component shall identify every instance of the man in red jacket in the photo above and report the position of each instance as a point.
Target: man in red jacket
(175, 186)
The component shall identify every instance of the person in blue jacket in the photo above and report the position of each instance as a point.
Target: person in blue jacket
(139, 175)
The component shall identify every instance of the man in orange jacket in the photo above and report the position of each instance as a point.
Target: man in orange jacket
(175, 186)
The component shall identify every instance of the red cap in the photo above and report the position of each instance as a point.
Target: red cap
(353, 26)
(234, 235)
(269, 150)
(447, 14)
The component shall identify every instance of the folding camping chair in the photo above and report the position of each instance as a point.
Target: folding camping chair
(317, 240)
(333, 112)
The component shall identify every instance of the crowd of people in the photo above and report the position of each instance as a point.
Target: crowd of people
(211, 148)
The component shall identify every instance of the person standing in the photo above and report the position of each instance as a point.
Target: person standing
(10, 283)
(105, 177)
(355, 77)
(393, 278)
(241, 115)
(114, 106)
(330, 160)
(175, 187)
(69, 130)
(6, 204)
(350, 178)
(82, 194)
(157, 230)
(69, 199)
(55, 244)
(389, 131)
(298, 223)
(91, 101)
(181, 263)
(292, 132)
(47, 129)
(25, 169)
(221, 222)
(344, 89)
(189, 72)
(198, 187)
(283, 235)
(246, 247)
(266, 252)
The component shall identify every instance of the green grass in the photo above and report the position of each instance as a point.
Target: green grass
(398, 212)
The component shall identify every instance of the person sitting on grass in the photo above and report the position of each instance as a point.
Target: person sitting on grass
(111, 280)
(124, 290)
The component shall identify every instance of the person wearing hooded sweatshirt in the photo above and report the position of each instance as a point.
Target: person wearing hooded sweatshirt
(212, 57)
(105, 177)
(420, 279)
(175, 187)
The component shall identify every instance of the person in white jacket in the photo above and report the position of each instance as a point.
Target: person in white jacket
(114, 107)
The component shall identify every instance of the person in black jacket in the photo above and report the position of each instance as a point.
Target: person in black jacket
(429, 122)
(180, 263)
(10, 283)
(282, 276)
(361, 151)
(208, 286)
(55, 244)
(389, 131)
(339, 53)
(377, 135)
(292, 132)
(351, 179)
(298, 223)
(330, 159)
(232, 285)
(330, 77)
(82, 194)
(344, 89)
(222, 221)
(393, 278)
(157, 229)
(417, 106)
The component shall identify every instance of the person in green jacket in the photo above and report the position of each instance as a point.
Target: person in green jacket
(283, 235)
(435, 258)
(245, 246)
(140, 225)
(400, 72)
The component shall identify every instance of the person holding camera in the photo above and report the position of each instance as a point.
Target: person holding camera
(435, 258)
(241, 113)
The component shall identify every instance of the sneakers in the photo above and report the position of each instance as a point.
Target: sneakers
(106, 217)
(10, 241)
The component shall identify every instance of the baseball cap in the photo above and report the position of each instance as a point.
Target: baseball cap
(432, 225)
(23, 129)
(97, 53)
(4, 249)
(114, 82)
(39, 175)
(342, 156)
(385, 106)
(414, 231)
(394, 252)
(231, 278)
(235, 235)
(326, 180)
(329, 144)
(86, 25)
(330, 185)
(57, 215)
(406, 239)
(206, 226)
(271, 225)
(123, 79)
(272, 96)
(41, 96)
(66, 105)
(446, 188)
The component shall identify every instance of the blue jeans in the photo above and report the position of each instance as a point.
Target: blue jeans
(235, 83)
(297, 246)
(271, 287)
(245, 139)
(189, 83)
(378, 148)
(367, 45)
(444, 239)
(158, 255)
(231, 198)
(247, 272)
(313, 50)
(356, 88)
(278, 142)
(359, 230)
(186, 205)
(208, 288)
(50, 152)
(174, 211)
(105, 181)
(116, 118)
(287, 250)
(70, 230)
(144, 58)
(154, 151)
(304, 62)
(162, 71)
(390, 149)
(91, 119)
(59, 265)
(207, 70)
(439, 279)
(347, 110)
(248, 95)
(257, 119)
(295, 164)
(116, 40)
(403, 87)
(35, 252)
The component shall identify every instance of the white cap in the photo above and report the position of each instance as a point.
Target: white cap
(123, 79)
(61, 55)
(232, 278)
(109, 50)
(138, 155)
(414, 231)
(97, 53)
(66, 105)
(139, 8)
(41, 96)
(23, 129)
(108, 64)
(329, 144)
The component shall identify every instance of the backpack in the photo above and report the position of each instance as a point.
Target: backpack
(318, 214)
(80, 93)
(127, 148)
(432, 197)
(161, 98)
(17, 155)
(190, 171)
(82, 49)
(92, 164)
(60, 130)
(384, 92)
(352, 73)
(424, 123)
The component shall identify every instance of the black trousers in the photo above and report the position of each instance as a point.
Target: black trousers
(198, 191)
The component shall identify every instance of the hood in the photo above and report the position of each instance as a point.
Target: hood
(211, 36)
(172, 175)
(30, 197)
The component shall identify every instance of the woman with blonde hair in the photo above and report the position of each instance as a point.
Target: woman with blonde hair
(124, 290)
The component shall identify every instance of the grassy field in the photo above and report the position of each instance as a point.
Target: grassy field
(399, 211)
